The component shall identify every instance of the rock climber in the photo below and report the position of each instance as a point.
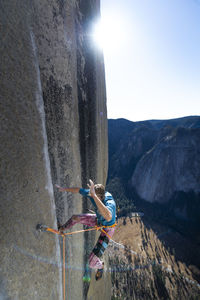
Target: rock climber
(105, 214)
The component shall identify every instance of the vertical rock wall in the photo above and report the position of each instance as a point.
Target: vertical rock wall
(54, 130)
(29, 261)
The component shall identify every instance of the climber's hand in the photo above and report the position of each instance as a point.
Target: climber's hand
(91, 187)
(61, 189)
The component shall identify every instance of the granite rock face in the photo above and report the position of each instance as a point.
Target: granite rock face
(53, 130)
(171, 165)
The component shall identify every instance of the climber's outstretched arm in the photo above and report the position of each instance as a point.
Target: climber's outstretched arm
(104, 211)
(71, 190)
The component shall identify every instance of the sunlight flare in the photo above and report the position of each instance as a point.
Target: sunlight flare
(109, 33)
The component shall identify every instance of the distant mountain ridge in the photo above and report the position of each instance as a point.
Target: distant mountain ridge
(188, 122)
(155, 159)
(120, 129)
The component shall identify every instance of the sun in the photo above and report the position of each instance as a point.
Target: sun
(108, 33)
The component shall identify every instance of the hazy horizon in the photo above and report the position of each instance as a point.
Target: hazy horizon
(190, 116)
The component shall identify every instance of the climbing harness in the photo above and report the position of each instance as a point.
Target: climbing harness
(45, 228)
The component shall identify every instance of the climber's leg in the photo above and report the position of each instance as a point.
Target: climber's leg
(101, 245)
(85, 219)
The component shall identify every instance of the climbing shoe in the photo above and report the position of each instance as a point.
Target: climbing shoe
(99, 273)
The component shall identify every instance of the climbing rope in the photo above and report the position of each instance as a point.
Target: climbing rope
(63, 235)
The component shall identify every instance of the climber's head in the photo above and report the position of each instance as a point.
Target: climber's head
(100, 191)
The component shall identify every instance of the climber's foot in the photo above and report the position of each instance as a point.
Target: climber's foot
(99, 273)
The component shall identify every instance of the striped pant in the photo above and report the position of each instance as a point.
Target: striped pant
(102, 243)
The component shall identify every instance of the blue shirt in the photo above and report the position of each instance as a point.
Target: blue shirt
(108, 201)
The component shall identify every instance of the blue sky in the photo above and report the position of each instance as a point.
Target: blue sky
(152, 58)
